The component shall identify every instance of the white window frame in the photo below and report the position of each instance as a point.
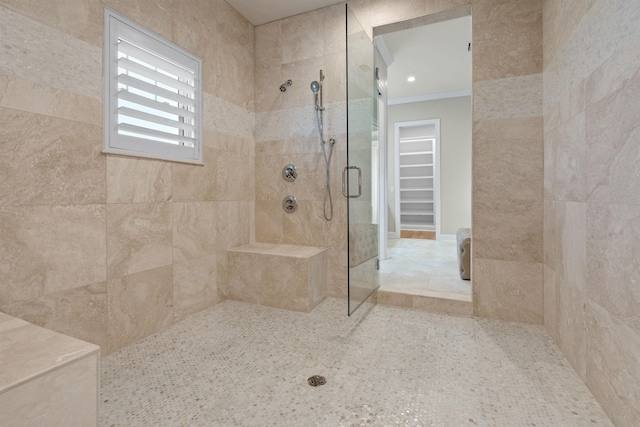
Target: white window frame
(118, 27)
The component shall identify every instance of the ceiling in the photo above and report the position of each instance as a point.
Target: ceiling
(436, 55)
(260, 12)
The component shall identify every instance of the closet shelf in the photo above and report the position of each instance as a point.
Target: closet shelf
(413, 153)
(417, 166)
(404, 224)
(417, 213)
(420, 213)
(416, 177)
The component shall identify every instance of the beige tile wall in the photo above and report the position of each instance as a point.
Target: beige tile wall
(111, 249)
(592, 143)
(297, 48)
(507, 147)
(508, 209)
(507, 160)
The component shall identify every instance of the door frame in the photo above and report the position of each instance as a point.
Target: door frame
(436, 171)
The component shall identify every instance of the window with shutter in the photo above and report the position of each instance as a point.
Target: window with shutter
(153, 95)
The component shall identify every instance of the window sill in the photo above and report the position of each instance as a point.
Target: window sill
(151, 157)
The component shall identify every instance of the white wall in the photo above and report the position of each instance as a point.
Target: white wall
(455, 156)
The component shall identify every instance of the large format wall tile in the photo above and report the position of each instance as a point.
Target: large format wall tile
(306, 226)
(48, 249)
(269, 97)
(510, 290)
(335, 84)
(80, 313)
(508, 159)
(571, 323)
(337, 265)
(550, 302)
(48, 161)
(225, 117)
(507, 38)
(591, 84)
(23, 95)
(608, 27)
(287, 124)
(570, 160)
(81, 19)
(497, 236)
(140, 304)
(194, 286)
(268, 46)
(194, 230)
(140, 12)
(519, 96)
(333, 29)
(41, 54)
(269, 218)
(550, 240)
(302, 73)
(194, 31)
(337, 231)
(269, 182)
(560, 19)
(613, 371)
(612, 151)
(302, 37)
(613, 262)
(235, 72)
(138, 180)
(139, 237)
(194, 183)
(235, 177)
(233, 224)
(386, 12)
(571, 242)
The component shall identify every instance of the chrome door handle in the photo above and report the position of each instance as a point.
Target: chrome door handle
(345, 191)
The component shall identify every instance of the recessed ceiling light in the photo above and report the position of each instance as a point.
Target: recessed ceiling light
(411, 79)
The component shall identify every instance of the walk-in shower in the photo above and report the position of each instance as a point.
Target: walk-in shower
(316, 88)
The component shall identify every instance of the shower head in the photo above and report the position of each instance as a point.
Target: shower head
(285, 85)
(315, 87)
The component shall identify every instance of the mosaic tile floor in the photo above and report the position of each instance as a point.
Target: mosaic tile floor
(422, 267)
(237, 364)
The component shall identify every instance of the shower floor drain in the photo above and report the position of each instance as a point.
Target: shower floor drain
(316, 381)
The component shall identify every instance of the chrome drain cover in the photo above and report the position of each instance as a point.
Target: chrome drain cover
(316, 381)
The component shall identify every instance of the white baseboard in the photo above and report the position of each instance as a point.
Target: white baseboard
(447, 237)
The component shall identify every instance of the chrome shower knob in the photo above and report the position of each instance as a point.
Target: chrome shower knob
(290, 204)
(289, 173)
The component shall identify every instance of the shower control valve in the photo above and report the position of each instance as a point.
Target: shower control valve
(289, 173)
(290, 204)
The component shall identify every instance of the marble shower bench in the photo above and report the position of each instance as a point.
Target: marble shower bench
(46, 378)
(281, 276)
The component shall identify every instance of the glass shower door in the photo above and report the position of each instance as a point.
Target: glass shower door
(358, 175)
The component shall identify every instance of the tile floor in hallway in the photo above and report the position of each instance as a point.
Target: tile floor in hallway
(237, 364)
(423, 267)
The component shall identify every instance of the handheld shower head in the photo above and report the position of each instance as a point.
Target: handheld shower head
(316, 88)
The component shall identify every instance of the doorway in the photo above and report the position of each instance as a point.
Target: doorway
(417, 178)
(428, 113)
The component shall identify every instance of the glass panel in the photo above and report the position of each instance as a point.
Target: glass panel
(361, 158)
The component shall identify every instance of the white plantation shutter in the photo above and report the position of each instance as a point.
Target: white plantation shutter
(153, 97)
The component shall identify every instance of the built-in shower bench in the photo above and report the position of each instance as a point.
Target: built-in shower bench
(46, 378)
(282, 276)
